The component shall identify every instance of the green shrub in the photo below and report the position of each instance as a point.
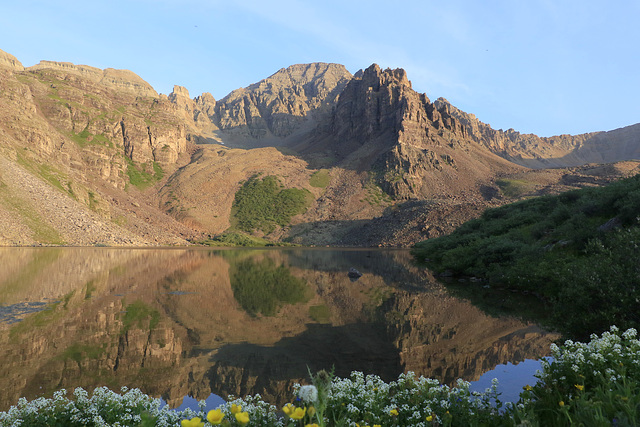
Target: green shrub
(552, 246)
(137, 314)
(140, 177)
(262, 287)
(263, 204)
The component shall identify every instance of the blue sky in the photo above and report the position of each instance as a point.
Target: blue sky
(538, 66)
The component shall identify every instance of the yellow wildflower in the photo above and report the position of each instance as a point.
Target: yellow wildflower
(298, 414)
(377, 425)
(528, 387)
(430, 418)
(235, 408)
(561, 403)
(193, 422)
(311, 411)
(215, 416)
(579, 387)
(288, 409)
(393, 412)
(311, 425)
(242, 417)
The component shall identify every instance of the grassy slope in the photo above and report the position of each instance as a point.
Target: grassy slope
(555, 247)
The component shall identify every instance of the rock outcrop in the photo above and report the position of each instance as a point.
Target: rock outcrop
(278, 105)
(543, 152)
(113, 79)
(9, 61)
(107, 140)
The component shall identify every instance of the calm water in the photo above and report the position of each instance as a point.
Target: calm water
(192, 322)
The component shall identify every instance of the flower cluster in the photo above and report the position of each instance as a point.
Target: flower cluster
(602, 361)
(103, 408)
(595, 383)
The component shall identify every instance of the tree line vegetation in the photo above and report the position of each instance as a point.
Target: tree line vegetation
(577, 251)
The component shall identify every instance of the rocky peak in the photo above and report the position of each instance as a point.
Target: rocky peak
(370, 108)
(9, 61)
(374, 76)
(180, 97)
(207, 103)
(279, 104)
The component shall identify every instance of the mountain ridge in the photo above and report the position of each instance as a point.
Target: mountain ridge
(166, 167)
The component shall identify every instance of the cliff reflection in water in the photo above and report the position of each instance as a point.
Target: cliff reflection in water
(179, 322)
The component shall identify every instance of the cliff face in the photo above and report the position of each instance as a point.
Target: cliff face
(278, 106)
(557, 151)
(124, 165)
(415, 149)
(74, 138)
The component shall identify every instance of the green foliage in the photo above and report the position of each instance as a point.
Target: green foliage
(262, 287)
(591, 384)
(79, 352)
(320, 178)
(375, 195)
(140, 176)
(320, 313)
(263, 204)
(552, 246)
(514, 187)
(235, 238)
(137, 314)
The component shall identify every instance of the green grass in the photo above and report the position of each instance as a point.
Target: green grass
(140, 315)
(552, 247)
(79, 352)
(140, 176)
(89, 288)
(93, 202)
(264, 204)
(320, 313)
(375, 196)
(47, 172)
(514, 188)
(40, 319)
(85, 138)
(320, 178)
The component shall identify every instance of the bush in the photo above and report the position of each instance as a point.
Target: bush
(262, 287)
(553, 247)
(263, 204)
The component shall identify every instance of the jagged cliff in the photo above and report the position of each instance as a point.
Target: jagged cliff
(126, 165)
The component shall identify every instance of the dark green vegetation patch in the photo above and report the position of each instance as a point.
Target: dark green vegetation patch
(139, 315)
(262, 287)
(578, 251)
(141, 176)
(263, 204)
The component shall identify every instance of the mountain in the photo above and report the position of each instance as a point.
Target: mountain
(91, 156)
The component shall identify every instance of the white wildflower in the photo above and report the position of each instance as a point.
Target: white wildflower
(308, 393)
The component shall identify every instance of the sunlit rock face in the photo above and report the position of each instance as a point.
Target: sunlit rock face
(184, 322)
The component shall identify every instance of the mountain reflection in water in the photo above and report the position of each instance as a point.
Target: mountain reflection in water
(191, 322)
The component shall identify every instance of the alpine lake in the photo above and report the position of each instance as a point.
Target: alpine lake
(197, 323)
